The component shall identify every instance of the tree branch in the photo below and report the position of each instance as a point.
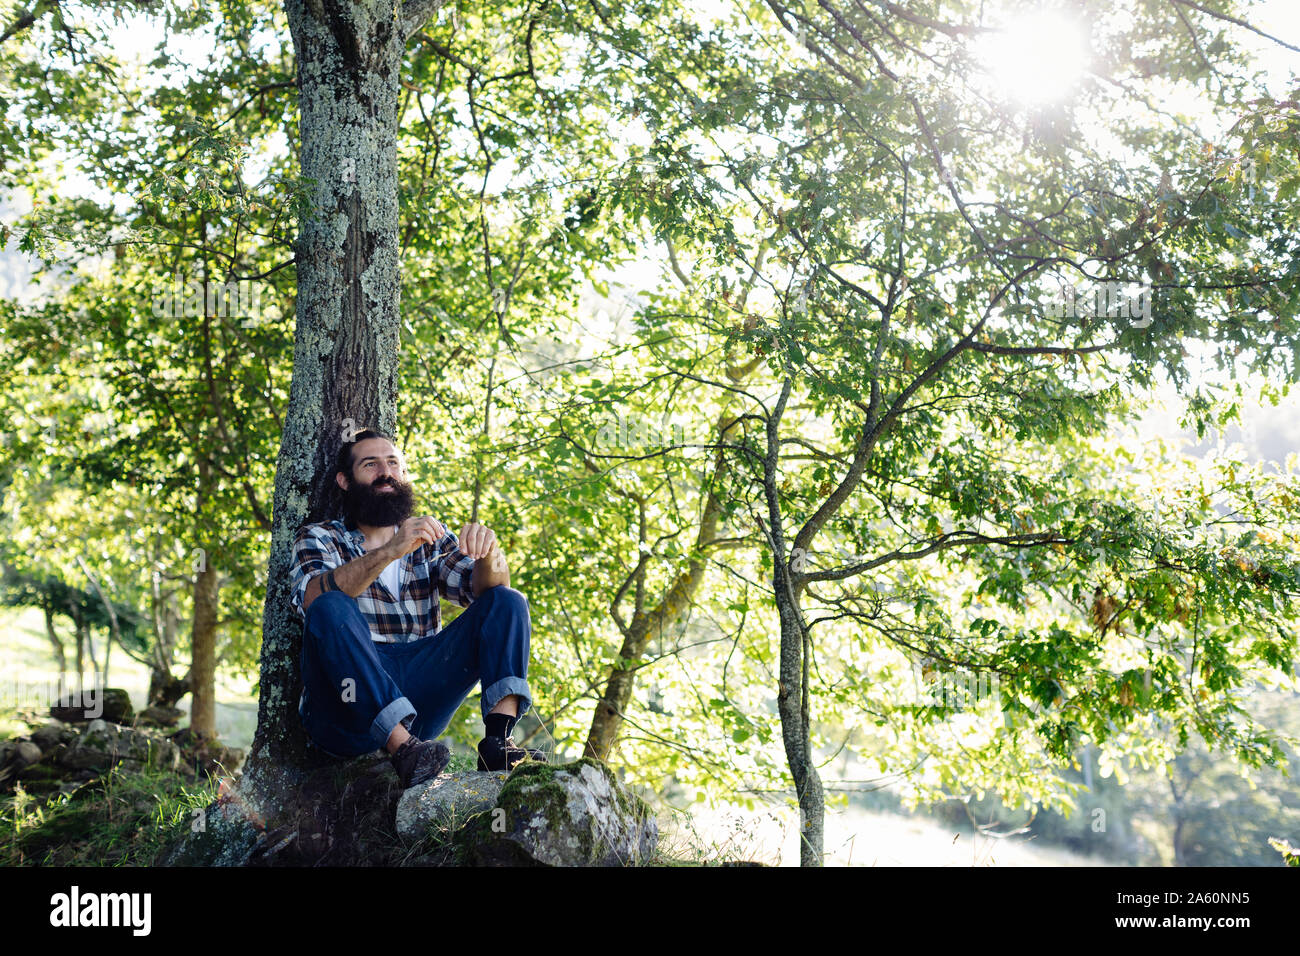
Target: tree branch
(416, 13)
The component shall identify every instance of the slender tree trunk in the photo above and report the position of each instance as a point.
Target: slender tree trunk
(80, 639)
(60, 655)
(793, 697)
(796, 732)
(1180, 857)
(114, 632)
(203, 642)
(349, 58)
(608, 718)
(203, 629)
(84, 640)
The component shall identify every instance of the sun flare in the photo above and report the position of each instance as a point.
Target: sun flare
(1036, 59)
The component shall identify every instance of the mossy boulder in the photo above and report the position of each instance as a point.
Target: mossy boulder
(105, 703)
(53, 733)
(349, 813)
(446, 802)
(574, 814)
(160, 716)
(104, 744)
(206, 753)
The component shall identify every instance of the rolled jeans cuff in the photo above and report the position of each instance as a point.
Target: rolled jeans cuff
(504, 688)
(388, 718)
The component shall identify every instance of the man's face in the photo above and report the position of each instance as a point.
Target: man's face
(378, 493)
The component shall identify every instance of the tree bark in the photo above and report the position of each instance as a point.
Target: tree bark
(1180, 856)
(80, 638)
(203, 629)
(85, 644)
(793, 692)
(60, 655)
(203, 644)
(112, 618)
(346, 343)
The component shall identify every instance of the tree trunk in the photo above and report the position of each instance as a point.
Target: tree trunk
(165, 689)
(60, 655)
(112, 617)
(85, 644)
(608, 718)
(793, 692)
(203, 644)
(796, 733)
(203, 630)
(80, 639)
(346, 343)
(1180, 856)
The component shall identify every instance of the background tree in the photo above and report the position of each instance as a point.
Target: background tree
(923, 406)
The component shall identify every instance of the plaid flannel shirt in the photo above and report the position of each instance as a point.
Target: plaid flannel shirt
(394, 619)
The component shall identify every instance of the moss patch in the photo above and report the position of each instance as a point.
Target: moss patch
(535, 791)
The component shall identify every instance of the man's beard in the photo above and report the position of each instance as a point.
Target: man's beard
(365, 504)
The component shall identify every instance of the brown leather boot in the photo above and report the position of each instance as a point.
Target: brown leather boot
(419, 760)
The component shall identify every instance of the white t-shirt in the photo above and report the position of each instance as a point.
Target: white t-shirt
(391, 577)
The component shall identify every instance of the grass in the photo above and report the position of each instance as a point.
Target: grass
(461, 762)
(123, 818)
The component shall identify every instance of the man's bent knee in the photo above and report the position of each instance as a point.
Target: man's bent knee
(504, 594)
(328, 605)
(330, 600)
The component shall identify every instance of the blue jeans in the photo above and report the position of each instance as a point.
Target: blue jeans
(357, 690)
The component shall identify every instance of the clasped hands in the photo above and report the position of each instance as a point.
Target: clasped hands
(476, 541)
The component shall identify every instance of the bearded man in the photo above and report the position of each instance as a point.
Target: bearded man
(379, 670)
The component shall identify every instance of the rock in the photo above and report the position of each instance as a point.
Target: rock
(18, 755)
(160, 716)
(229, 760)
(575, 814)
(52, 734)
(103, 703)
(103, 744)
(41, 777)
(25, 754)
(355, 813)
(447, 801)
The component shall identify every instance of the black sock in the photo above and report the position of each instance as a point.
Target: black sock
(498, 725)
